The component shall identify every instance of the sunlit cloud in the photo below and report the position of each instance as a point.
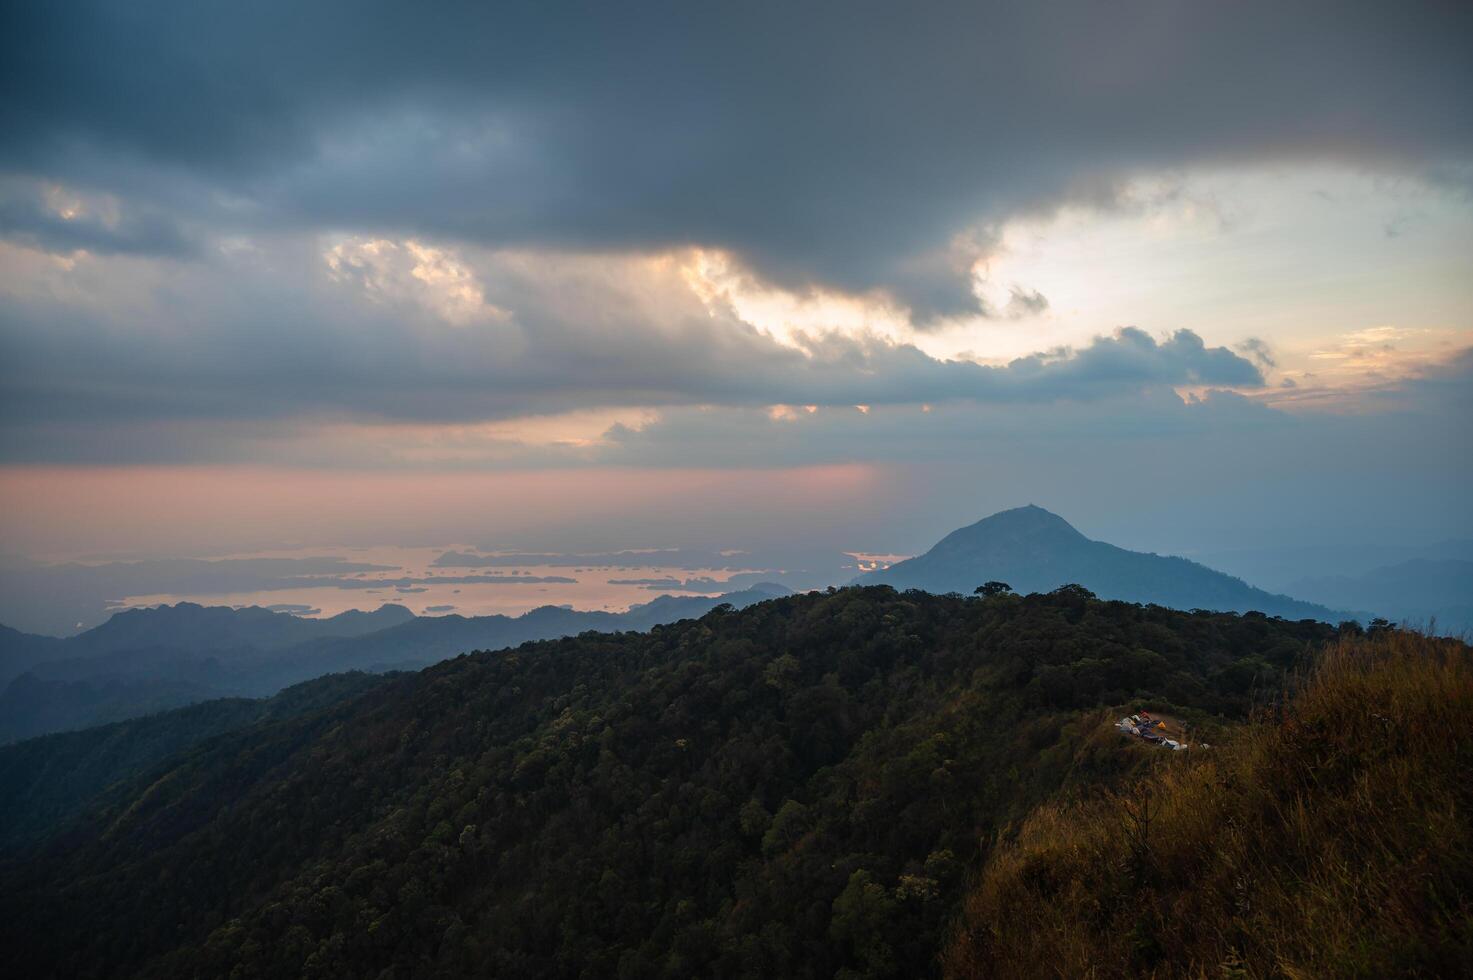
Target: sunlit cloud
(1353, 372)
(1273, 262)
(409, 270)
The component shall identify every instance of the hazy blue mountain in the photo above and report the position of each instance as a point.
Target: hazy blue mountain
(1416, 592)
(429, 639)
(134, 664)
(1284, 569)
(21, 651)
(189, 626)
(65, 599)
(146, 660)
(145, 642)
(1034, 550)
(31, 706)
(46, 781)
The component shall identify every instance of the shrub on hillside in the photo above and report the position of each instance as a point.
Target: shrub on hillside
(1331, 838)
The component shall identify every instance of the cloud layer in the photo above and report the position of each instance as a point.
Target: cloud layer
(861, 146)
(402, 333)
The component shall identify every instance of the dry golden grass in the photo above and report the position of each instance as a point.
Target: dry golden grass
(1333, 840)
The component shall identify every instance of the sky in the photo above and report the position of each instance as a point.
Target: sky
(581, 277)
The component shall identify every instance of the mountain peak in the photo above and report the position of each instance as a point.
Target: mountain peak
(1035, 550)
(1029, 517)
(1030, 525)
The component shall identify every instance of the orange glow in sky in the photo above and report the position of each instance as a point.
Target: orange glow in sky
(72, 512)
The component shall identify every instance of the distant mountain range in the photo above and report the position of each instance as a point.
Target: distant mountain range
(1033, 550)
(134, 638)
(146, 660)
(1422, 592)
(1285, 568)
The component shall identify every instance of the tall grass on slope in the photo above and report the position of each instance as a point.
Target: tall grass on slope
(1329, 839)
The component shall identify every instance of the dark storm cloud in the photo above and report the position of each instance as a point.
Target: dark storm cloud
(845, 144)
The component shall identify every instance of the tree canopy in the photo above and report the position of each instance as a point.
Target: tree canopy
(800, 788)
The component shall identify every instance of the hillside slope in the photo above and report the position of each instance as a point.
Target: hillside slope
(21, 651)
(1332, 841)
(1033, 550)
(46, 782)
(794, 789)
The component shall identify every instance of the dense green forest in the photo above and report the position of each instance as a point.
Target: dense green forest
(800, 788)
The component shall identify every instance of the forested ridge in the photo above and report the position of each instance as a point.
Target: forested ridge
(800, 788)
